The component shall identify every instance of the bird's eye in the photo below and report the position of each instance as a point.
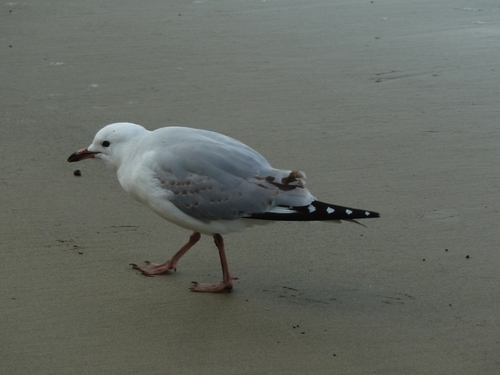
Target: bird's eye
(105, 144)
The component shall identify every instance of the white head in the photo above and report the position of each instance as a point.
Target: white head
(110, 143)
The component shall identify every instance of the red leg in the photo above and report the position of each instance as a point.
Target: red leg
(226, 285)
(150, 269)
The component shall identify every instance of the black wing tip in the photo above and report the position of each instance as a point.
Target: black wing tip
(317, 211)
(372, 214)
(328, 211)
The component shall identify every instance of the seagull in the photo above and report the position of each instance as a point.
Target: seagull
(208, 183)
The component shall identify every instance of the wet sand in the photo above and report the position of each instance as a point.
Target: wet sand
(386, 106)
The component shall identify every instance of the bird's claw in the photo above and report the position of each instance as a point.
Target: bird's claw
(149, 269)
(222, 287)
(136, 267)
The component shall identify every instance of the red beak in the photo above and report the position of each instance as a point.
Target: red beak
(81, 155)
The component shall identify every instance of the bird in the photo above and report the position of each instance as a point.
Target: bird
(208, 183)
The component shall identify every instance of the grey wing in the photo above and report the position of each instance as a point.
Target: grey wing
(219, 178)
(222, 198)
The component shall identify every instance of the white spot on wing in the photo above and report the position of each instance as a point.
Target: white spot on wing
(281, 210)
(348, 212)
(311, 208)
(367, 213)
(330, 210)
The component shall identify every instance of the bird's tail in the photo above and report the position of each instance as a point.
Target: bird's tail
(315, 211)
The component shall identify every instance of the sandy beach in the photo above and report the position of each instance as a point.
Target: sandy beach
(390, 106)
